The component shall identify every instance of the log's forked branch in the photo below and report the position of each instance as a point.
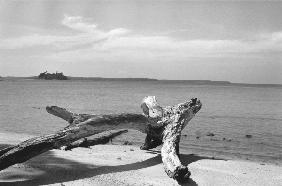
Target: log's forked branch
(151, 108)
(61, 113)
(173, 120)
(73, 119)
(70, 117)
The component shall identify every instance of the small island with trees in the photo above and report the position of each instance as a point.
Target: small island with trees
(54, 76)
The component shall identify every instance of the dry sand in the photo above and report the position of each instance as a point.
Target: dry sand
(127, 165)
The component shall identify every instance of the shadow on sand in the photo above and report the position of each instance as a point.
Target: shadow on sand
(68, 170)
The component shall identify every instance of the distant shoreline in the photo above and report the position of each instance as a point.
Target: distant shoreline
(190, 82)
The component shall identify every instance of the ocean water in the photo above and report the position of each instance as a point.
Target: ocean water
(230, 112)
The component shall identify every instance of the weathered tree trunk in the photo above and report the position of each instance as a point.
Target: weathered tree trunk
(162, 125)
(173, 120)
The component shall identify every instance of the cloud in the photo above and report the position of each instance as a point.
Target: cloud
(77, 23)
(90, 41)
(88, 34)
(271, 42)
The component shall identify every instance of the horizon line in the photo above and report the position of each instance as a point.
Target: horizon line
(225, 82)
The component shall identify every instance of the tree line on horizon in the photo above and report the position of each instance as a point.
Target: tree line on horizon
(50, 76)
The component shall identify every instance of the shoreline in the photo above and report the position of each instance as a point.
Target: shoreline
(162, 81)
(11, 138)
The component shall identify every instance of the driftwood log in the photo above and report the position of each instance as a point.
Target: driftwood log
(163, 125)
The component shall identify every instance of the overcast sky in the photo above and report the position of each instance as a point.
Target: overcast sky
(234, 41)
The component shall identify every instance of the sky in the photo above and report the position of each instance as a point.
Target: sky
(234, 41)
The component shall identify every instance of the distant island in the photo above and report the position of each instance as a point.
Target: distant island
(48, 76)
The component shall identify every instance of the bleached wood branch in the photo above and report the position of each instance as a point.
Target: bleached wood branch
(162, 125)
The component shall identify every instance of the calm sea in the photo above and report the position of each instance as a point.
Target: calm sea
(230, 112)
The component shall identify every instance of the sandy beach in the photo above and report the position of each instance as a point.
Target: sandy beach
(128, 165)
(198, 83)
